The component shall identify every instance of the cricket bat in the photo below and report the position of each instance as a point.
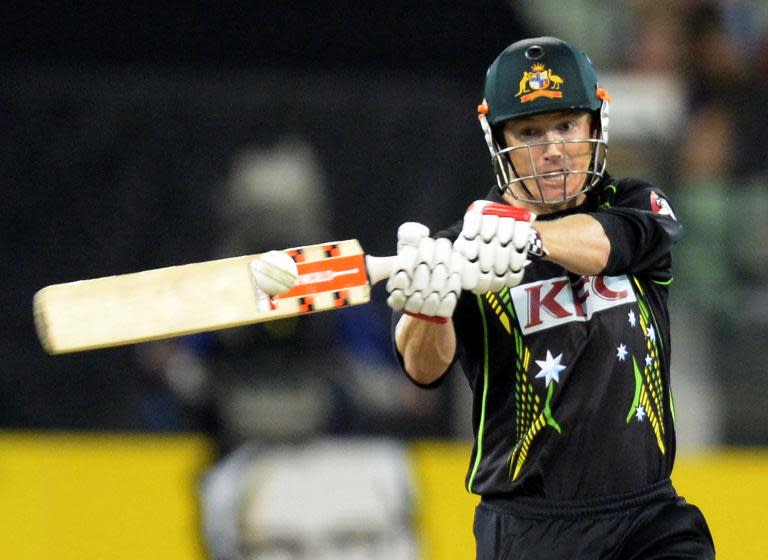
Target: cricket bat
(199, 297)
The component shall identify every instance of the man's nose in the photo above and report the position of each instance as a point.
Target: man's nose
(554, 147)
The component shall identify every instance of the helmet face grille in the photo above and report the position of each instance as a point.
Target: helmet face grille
(535, 187)
(535, 76)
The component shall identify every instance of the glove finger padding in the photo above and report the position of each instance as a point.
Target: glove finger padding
(488, 227)
(399, 281)
(430, 305)
(396, 300)
(495, 241)
(421, 280)
(517, 261)
(521, 235)
(471, 227)
(414, 303)
(404, 268)
(427, 278)
(411, 233)
(487, 255)
(470, 277)
(502, 258)
(505, 231)
(497, 283)
(513, 278)
(442, 251)
(438, 283)
(468, 248)
(447, 305)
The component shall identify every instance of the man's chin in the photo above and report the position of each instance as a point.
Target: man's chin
(545, 198)
(552, 193)
(553, 202)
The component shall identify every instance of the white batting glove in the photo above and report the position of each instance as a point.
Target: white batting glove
(427, 278)
(497, 240)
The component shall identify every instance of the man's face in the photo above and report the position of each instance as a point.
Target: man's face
(549, 157)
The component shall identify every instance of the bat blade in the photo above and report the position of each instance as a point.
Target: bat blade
(198, 297)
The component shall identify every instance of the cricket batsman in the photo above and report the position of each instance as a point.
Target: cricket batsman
(551, 294)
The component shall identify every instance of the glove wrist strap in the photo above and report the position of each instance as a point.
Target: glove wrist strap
(536, 248)
(429, 318)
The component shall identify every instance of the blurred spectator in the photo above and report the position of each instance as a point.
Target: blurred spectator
(294, 378)
(653, 42)
(338, 499)
(599, 27)
(721, 156)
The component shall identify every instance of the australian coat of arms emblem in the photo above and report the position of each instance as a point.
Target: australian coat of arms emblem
(540, 81)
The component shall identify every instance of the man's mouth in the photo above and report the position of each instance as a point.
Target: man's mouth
(554, 177)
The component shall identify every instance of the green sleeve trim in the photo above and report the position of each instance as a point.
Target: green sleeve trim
(663, 282)
(481, 429)
(607, 203)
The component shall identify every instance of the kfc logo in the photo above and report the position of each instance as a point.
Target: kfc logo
(549, 303)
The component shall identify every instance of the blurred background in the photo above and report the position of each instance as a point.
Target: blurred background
(142, 137)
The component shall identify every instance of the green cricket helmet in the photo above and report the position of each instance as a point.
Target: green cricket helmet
(536, 76)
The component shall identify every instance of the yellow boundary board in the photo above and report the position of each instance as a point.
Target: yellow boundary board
(94, 496)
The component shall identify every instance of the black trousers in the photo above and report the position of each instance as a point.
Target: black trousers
(651, 524)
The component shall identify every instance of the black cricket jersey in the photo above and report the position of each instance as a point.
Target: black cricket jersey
(570, 374)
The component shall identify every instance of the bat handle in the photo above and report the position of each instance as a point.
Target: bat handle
(379, 268)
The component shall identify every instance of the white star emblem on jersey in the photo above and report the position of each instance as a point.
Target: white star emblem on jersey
(648, 360)
(640, 414)
(632, 319)
(651, 334)
(550, 368)
(621, 352)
